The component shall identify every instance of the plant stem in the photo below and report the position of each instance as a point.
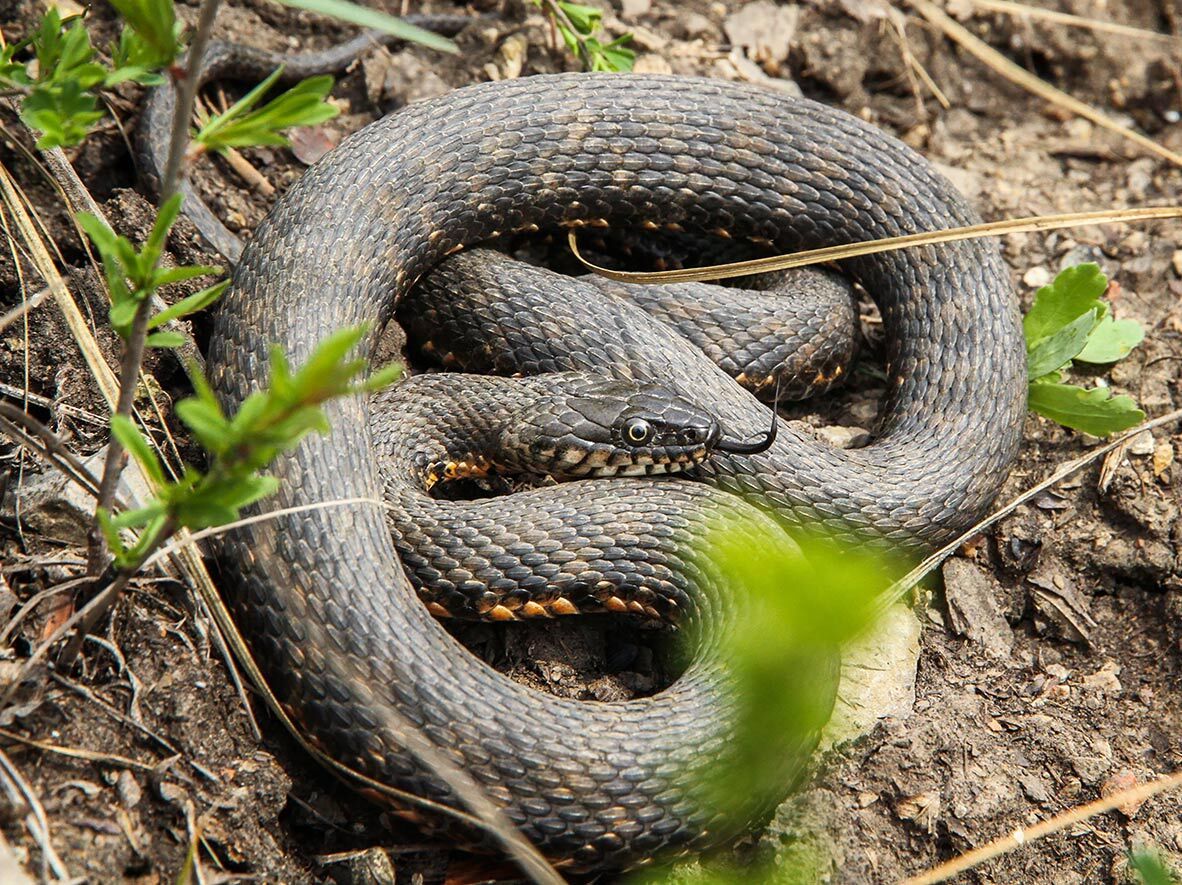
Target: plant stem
(185, 79)
(129, 371)
(557, 14)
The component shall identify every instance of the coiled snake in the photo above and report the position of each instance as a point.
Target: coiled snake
(327, 606)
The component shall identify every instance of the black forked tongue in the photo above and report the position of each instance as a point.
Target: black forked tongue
(762, 445)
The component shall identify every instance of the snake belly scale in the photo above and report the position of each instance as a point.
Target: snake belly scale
(321, 595)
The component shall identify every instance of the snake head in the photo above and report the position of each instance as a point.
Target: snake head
(596, 426)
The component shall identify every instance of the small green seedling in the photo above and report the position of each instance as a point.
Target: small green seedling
(270, 421)
(60, 93)
(579, 26)
(1067, 323)
(302, 105)
(133, 276)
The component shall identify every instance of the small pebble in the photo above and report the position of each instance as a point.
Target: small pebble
(1142, 444)
(1037, 277)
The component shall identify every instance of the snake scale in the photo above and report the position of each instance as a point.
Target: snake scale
(328, 608)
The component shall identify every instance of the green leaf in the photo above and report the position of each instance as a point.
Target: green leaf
(1093, 411)
(206, 422)
(302, 105)
(371, 18)
(165, 276)
(63, 113)
(327, 361)
(165, 339)
(193, 303)
(134, 59)
(166, 217)
(140, 449)
(585, 18)
(1150, 868)
(155, 25)
(110, 532)
(1111, 340)
(1074, 292)
(130, 519)
(248, 490)
(1057, 350)
(122, 315)
(615, 56)
(382, 378)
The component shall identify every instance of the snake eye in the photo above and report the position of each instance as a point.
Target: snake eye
(638, 431)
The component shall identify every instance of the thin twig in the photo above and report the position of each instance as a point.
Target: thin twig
(900, 587)
(100, 601)
(1031, 224)
(47, 403)
(129, 373)
(77, 752)
(35, 820)
(116, 714)
(32, 433)
(185, 80)
(1023, 835)
(24, 307)
(79, 199)
(1021, 10)
(1017, 74)
(31, 604)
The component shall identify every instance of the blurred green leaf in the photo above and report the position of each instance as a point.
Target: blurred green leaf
(812, 594)
(612, 57)
(585, 18)
(1149, 867)
(139, 448)
(156, 42)
(380, 21)
(165, 339)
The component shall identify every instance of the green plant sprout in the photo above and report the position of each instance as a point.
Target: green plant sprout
(1067, 323)
(133, 276)
(798, 600)
(268, 422)
(302, 105)
(59, 86)
(59, 98)
(578, 25)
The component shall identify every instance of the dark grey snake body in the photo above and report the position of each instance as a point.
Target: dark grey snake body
(321, 594)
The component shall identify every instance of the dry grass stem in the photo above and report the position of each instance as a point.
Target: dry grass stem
(1022, 10)
(1019, 75)
(77, 752)
(897, 590)
(31, 303)
(1025, 835)
(20, 793)
(46, 267)
(1031, 224)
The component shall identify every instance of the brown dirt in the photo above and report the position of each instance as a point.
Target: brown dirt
(1061, 681)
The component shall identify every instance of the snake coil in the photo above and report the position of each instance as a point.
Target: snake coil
(321, 595)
